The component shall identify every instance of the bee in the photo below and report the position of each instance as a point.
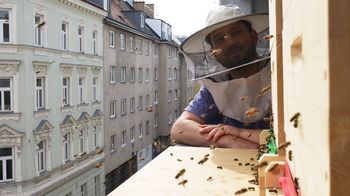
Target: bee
(235, 159)
(253, 181)
(207, 155)
(211, 106)
(284, 145)
(204, 115)
(212, 146)
(183, 182)
(250, 134)
(219, 167)
(265, 89)
(247, 164)
(203, 160)
(173, 142)
(296, 183)
(272, 167)
(191, 158)
(252, 159)
(241, 191)
(142, 159)
(251, 188)
(171, 154)
(290, 155)
(273, 191)
(179, 160)
(239, 164)
(209, 178)
(98, 165)
(216, 52)
(180, 173)
(267, 37)
(295, 119)
(180, 132)
(262, 164)
(251, 112)
(243, 98)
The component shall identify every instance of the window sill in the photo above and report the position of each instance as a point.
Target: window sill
(140, 137)
(82, 105)
(113, 117)
(67, 165)
(67, 108)
(96, 103)
(113, 151)
(10, 116)
(123, 145)
(43, 177)
(41, 112)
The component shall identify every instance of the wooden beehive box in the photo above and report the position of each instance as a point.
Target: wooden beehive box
(310, 54)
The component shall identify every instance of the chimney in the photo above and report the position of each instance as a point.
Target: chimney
(146, 8)
(151, 10)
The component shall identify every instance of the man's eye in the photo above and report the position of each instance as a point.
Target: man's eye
(219, 40)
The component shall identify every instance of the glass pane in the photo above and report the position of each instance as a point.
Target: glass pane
(38, 82)
(6, 32)
(42, 160)
(5, 152)
(4, 82)
(4, 14)
(40, 145)
(1, 174)
(7, 101)
(9, 169)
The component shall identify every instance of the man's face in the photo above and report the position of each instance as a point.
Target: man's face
(234, 44)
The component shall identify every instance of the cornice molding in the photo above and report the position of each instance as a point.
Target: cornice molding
(85, 7)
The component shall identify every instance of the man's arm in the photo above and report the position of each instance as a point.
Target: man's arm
(186, 131)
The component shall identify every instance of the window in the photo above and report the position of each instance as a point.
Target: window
(64, 33)
(6, 96)
(169, 96)
(140, 106)
(132, 104)
(5, 26)
(132, 74)
(94, 42)
(123, 106)
(132, 134)
(169, 51)
(155, 49)
(156, 74)
(123, 74)
(39, 29)
(140, 130)
(113, 139)
(142, 21)
(81, 141)
(131, 44)
(123, 139)
(95, 89)
(147, 48)
(81, 86)
(147, 127)
(175, 73)
(6, 164)
(156, 120)
(176, 95)
(139, 46)
(66, 146)
(41, 156)
(113, 108)
(97, 185)
(111, 39)
(94, 137)
(147, 75)
(112, 74)
(155, 97)
(169, 119)
(147, 101)
(122, 41)
(169, 73)
(40, 93)
(81, 39)
(140, 75)
(65, 91)
(83, 190)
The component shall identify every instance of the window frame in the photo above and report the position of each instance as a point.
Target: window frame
(111, 36)
(4, 160)
(65, 35)
(81, 39)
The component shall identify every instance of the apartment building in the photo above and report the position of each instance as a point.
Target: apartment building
(142, 88)
(51, 97)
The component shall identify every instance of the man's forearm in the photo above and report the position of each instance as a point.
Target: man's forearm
(187, 132)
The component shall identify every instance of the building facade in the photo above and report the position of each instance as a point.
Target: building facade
(51, 89)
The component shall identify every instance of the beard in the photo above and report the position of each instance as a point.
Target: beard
(236, 55)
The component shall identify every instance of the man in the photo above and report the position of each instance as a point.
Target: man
(228, 110)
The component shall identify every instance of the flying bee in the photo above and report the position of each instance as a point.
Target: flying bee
(251, 112)
(179, 160)
(250, 134)
(241, 191)
(219, 167)
(216, 52)
(272, 167)
(252, 181)
(211, 106)
(267, 37)
(207, 155)
(247, 164)
(171, 154)
(239, 164)
(173, 142)
(265, 89)
(209, 178)
(290, 155)
(243, 98)
(235, 159)
(295, 119)
(203, 160)
(296, 183)
(262, 164)
(204, 115)
(191, 158)
(180, 132)
(212, 146)
(251, 188)
(180, 173)
(273, 191)
(284, 145)
(183, 182)
(252, 159)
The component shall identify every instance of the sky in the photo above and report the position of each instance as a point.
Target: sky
(184, 16)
